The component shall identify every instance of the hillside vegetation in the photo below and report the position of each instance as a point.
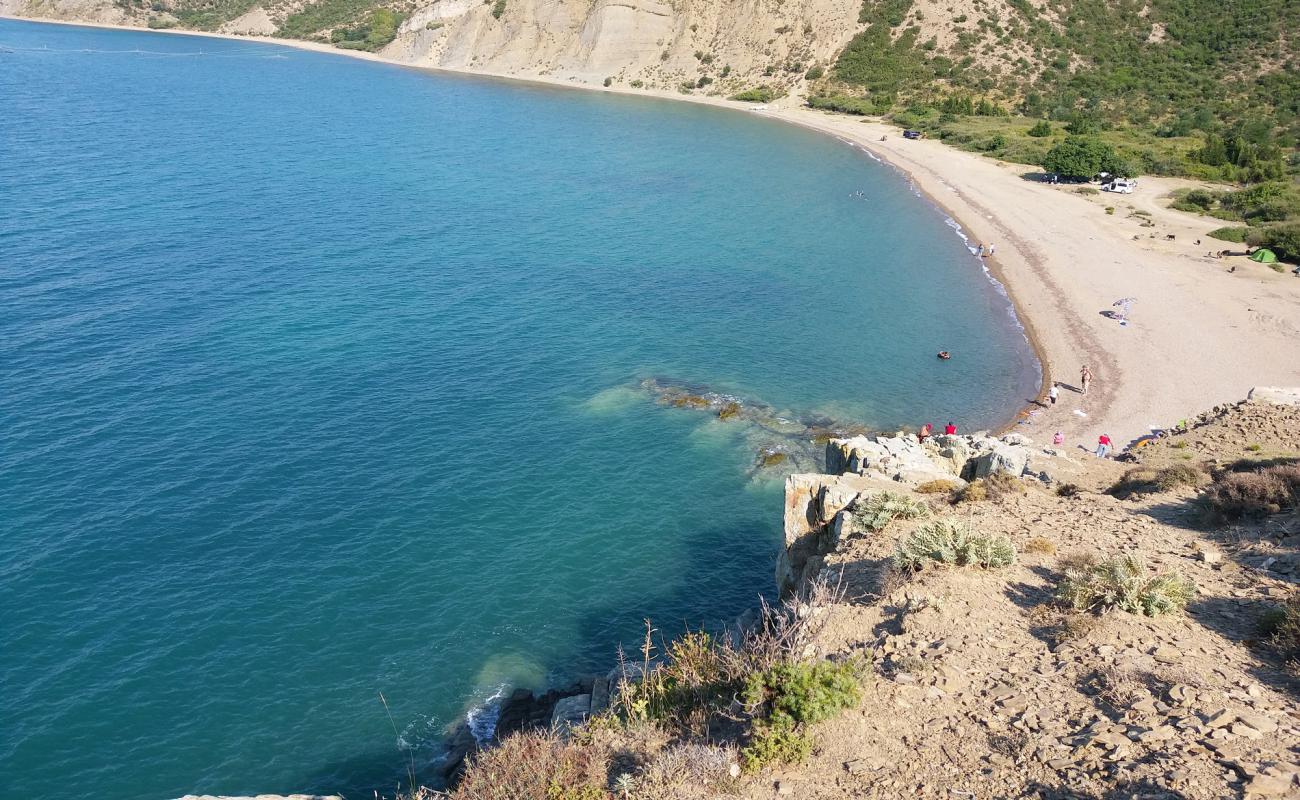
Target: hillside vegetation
(1193, 87)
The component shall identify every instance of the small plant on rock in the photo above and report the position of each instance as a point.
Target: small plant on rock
(947, 541)
(1123, 582)
(874, 513)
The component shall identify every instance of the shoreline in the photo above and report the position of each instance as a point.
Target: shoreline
(1060, 262)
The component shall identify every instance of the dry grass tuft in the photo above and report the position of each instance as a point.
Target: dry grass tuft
(995, 487)
(1041, 546)
(937, 487)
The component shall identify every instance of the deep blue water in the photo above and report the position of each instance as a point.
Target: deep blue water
(318, 379)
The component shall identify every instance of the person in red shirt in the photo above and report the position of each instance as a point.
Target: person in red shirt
(950, 429)
(1103, 445)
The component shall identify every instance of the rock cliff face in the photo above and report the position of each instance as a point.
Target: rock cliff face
(658, 43)
(818, 507)
(732, 46)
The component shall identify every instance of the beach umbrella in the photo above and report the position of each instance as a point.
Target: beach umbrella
(1125, 305)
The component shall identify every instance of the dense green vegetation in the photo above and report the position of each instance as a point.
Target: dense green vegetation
(378, 29)
(1270, 213)
(203, 15)
(325, 15)
(759, 94)
(1224, 76)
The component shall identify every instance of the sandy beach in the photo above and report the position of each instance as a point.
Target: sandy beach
(1198, 335)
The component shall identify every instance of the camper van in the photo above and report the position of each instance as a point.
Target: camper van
(1120, 185)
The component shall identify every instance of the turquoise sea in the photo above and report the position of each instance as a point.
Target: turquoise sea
(319, 378)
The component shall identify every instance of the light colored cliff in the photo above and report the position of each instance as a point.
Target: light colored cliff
(659, 43)
(663, 44)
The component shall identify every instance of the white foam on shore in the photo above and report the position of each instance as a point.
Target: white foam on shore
(482, 718)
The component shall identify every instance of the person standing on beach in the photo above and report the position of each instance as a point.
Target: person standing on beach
(1085, 378)
(992, 248)
(1052, 394)
(1103, 445)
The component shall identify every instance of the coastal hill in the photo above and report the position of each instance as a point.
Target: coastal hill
(1184, 67)
(978, 617)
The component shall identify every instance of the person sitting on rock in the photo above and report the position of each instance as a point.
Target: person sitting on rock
(926, 429)
(950, 429)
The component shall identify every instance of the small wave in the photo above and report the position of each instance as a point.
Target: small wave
(482, 718)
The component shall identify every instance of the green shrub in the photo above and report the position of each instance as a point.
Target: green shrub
(814, 73)
(874, 513)
(846, 104)
(1284, 240)
(1041, 128)
(1083, 157)
(498, 8)
(1123, 583)
(775, 742)
(786, 698)
(758, 94)
(947, 541)
(1237, 235)
(804, 692)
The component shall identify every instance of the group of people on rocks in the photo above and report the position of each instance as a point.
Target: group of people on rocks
(927, 430)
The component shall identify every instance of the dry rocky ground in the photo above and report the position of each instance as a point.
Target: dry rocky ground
(984, 687)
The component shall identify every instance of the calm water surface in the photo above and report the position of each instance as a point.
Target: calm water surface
(318, 379)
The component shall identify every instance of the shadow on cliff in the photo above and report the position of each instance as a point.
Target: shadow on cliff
(719, 555)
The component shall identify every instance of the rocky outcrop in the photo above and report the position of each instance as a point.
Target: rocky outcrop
(814, 522)
(905, 459)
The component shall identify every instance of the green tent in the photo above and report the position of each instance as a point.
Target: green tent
(1264, 256)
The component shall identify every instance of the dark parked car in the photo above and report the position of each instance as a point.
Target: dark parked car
(912, 134)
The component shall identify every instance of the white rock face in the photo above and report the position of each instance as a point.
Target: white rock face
(1010, 459)
(1277, 395)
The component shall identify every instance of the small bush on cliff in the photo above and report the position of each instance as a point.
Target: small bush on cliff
(1256, 493)
(878, 510)
(788, 697)
(947, 541)
(1123, 583)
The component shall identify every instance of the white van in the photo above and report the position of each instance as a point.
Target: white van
(1120, 185)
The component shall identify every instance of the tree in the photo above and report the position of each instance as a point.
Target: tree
(1084, 157)
(1041, 128)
